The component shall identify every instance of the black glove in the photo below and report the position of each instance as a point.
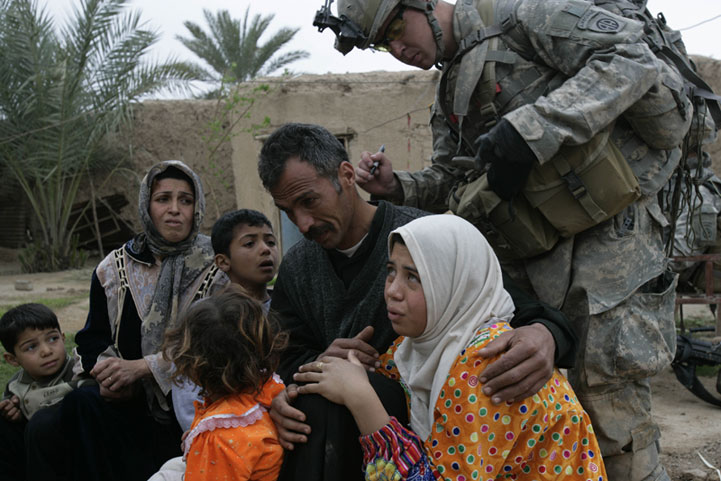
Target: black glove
(509, 157)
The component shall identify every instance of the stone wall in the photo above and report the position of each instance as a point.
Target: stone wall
(164, 130)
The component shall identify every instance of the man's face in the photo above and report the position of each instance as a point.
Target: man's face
(313, 203)
(41, 352)
(253, 259)
(409, 38)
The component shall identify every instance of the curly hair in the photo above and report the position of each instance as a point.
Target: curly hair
(225, 344)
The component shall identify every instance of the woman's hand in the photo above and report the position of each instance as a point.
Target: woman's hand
(115, 375)
(336, 379)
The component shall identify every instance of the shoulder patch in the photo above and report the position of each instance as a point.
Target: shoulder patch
(601, 22)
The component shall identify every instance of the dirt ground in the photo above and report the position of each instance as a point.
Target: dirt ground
(688, 425)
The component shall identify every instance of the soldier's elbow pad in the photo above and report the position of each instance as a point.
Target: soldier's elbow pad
(663, 115)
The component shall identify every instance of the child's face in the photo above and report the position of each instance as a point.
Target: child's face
(41, 352)
(253, 259)
(404, 296)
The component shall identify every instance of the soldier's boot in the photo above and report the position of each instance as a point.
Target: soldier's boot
(639, 465)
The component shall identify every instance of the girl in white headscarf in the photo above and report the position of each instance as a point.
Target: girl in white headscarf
(445, 298)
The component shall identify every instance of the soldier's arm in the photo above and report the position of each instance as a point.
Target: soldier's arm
(609, 68)
(428, 189)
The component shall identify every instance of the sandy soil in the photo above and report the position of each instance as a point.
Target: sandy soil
(688, 425)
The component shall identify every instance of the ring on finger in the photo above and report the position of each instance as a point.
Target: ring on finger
(320, 366)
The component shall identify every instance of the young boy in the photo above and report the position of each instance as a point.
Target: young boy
(33, 341)
(246, 249)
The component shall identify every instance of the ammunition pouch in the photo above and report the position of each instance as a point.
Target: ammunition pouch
(515, 229)
(583, 185)
(579, 188)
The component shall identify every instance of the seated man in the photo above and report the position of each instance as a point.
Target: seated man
(329, 296)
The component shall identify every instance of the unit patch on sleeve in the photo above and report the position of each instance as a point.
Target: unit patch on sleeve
(601, 22)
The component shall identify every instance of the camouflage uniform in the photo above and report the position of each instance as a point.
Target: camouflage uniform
(565, 71)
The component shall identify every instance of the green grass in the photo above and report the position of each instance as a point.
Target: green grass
(52, 303)
(707, 371)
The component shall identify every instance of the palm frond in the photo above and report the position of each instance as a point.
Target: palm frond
(233, 49)
(62, 92)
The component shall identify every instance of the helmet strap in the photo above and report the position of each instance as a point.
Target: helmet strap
(427, 7)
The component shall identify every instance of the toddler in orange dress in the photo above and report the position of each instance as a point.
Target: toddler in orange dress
(226, 345)
(445, 298)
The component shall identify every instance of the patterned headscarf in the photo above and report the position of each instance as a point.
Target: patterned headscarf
(182, 262)
(463, 287)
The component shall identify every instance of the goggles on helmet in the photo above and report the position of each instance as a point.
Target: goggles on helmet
(393, 31)
(347, 33)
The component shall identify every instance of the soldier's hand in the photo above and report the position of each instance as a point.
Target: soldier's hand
(366, 354)
(508, 157)
(526, 363)
(382, 182)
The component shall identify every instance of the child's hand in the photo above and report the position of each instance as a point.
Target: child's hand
(338, 380)
(10, 409)
(345, 382)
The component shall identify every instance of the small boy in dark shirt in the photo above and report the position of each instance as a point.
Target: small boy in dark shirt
(33, 341)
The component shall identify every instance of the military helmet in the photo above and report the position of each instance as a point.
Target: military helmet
(369, 15)
(359, 21)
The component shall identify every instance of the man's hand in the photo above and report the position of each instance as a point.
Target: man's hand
(382, 182)
(365, 353)
(288, 420)
(525, 365)
(10, 409)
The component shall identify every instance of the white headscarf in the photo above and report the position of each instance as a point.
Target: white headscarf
(463, 287)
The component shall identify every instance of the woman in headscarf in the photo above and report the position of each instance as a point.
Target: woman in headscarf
(445, 298)
(124, 428)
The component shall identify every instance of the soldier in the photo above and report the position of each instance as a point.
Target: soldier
(527, 85)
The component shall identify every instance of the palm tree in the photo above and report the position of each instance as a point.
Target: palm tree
(231, 48)
(61, 93)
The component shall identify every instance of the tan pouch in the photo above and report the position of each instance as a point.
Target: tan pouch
(583, 185)
(515, 231)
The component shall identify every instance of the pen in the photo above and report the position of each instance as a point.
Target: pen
(375, 165)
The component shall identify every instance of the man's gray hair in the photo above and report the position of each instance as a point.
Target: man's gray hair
(310, 143)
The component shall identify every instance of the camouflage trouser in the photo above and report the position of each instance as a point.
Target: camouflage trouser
(620, 349)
